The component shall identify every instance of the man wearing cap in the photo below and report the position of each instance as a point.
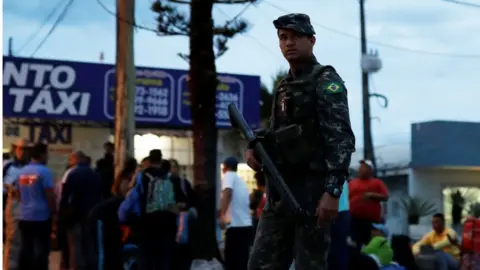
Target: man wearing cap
(235, 215)
(311, 144)
(11, 170)
(366, 195)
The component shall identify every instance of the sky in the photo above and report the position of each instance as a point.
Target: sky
(433, 84)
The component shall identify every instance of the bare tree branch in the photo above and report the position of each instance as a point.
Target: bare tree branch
(185, 57)
(229, 30)
(172, 22)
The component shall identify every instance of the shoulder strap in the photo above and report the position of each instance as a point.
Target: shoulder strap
(143, 194)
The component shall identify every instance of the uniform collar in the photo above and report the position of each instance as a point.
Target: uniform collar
(305, 68)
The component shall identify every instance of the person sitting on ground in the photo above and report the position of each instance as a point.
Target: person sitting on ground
(444, 243)
(377, 254)
(381, 252)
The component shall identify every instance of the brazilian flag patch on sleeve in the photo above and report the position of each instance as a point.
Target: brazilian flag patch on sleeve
(330, 88)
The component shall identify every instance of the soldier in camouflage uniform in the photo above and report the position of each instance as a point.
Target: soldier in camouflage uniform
(313, 143)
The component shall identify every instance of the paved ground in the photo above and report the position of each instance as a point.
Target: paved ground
(55, 261)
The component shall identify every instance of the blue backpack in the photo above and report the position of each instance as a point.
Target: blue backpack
(159, 193)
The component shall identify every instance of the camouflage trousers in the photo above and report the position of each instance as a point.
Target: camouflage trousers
(280, 238)
(11, 250)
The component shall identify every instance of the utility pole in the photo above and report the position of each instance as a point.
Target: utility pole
(10, 46)
(368, 150)
(125, 86)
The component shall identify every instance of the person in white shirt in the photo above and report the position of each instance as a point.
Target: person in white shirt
(235, 217)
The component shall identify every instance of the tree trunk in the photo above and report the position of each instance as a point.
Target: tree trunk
(202, 86)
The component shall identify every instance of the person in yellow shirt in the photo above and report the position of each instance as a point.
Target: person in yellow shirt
(444, 241)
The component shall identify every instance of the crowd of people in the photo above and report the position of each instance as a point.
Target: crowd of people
(360, 239)
(85, 214)
(143, 219)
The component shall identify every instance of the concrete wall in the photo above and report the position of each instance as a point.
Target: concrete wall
(398, 189)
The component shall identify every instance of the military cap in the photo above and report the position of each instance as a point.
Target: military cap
(297, 22)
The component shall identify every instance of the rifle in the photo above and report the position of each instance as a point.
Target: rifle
(239, 123)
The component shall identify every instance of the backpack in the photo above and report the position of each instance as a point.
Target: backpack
(159, 193)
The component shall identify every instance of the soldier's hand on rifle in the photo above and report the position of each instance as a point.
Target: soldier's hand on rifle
(327, 209)
(252, 161)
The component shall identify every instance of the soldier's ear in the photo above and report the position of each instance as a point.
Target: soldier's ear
(313, 40)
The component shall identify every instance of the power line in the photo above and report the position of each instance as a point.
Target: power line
(223, 12)
(262, 45)
(102, 5)
(463, 3)
(54, 26)
(395, 47)
(238, 14)
(247, 34)
(40, 27)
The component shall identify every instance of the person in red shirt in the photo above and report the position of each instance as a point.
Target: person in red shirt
(365, 194)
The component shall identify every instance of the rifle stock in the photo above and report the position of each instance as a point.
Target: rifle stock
(275, 178)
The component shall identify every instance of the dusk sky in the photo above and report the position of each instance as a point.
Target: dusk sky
(421, 44)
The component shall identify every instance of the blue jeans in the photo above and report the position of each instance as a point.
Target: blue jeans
(446, 261)
(338, 255)
(35, 244)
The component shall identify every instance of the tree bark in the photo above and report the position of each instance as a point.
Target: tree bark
(124, 122)
(202, 87)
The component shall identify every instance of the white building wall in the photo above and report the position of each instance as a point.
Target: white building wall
(429, 183)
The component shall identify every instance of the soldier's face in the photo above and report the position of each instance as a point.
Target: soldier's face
(295, 46)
